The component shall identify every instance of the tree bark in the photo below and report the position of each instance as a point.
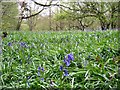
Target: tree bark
(19, 24)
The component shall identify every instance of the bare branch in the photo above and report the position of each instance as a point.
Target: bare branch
(50, 4)
(44, 5)
(33, 14)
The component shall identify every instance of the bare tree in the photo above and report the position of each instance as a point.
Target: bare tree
(26, 9)
(104, 12)
(23, 8)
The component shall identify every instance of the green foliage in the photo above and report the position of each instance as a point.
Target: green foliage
(103, 13)
(9, 15)
(62, 16)
(95, 63)
(42, 24)
(24, 27)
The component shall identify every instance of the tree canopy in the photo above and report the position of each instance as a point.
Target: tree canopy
(71, 14)
(9, 15)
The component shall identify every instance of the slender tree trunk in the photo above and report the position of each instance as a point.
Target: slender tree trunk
(56, 26)
(105, 26)
(103, 23)
(50, 24)
(82, 27)
(20, 19)
(108, 26)
(112, 23)
(112, 16)
(19, 24)
(30, 21)
(30, 25)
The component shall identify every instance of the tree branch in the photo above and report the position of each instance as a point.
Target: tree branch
(50, 4)
(44, 5)
(33, 14)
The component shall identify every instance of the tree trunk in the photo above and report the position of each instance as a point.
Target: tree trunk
(102, 25)
(50, 24)
(30, 26)
(19, 24)
(112, 23)
(108, 26)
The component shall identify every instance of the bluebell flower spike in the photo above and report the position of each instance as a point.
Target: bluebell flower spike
(65, 72)
(42, 69)
(61, 68)
(9, 44)
(39, 68)
(70, 56)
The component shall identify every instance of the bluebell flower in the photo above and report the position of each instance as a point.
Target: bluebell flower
(70, 56)
(65, 72)
(42, 69)
(38, 73)
(28, 77)
(39, 68)
(9, 44)
(67, 62)
(42, 79)
(61, 68)
(22, 44)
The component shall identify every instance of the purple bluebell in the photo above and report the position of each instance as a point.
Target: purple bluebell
(9, 44)
(28, 77)
(22, 44)
(70, 56)
(39, 68)
(38, 73)
(66, 72)
(61, 68)
(42, 69)
(67, 62)
(42, 79)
